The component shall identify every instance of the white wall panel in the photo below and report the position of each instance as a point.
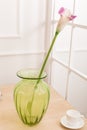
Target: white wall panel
(9, 20)
(28, 19)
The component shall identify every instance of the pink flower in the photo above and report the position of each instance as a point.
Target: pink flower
(65, 17)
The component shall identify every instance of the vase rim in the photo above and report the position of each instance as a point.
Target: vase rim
(30, 73)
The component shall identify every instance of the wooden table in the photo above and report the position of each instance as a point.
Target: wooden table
(9, 119)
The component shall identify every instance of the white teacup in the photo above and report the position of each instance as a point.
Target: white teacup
(73, 117)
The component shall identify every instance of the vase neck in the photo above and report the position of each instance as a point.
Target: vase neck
(31, 74)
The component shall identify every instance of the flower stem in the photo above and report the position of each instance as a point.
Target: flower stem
(46, 58)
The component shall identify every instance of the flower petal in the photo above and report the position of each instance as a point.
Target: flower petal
(65, 17)
(72, 17)
(61, 10)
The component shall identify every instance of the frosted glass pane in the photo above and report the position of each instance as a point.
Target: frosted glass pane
(63, 39)
(63, 3)
(79, 52)
(79, 62)
(62, 45)
(59, 78)
(81, 12)
(77, 93)
(80, 39)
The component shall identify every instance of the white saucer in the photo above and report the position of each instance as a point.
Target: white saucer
(66, 124)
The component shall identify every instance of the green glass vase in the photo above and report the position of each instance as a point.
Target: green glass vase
(31, 99)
